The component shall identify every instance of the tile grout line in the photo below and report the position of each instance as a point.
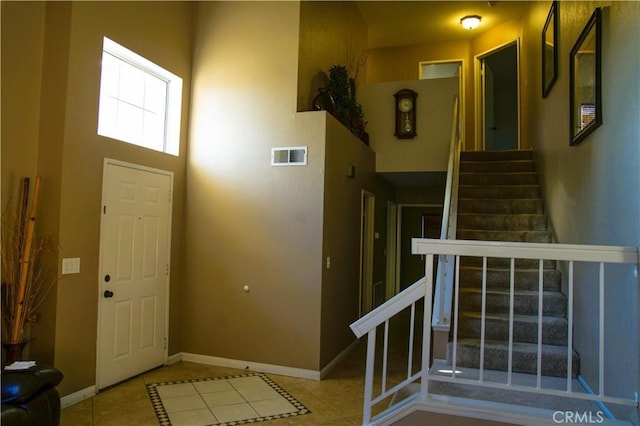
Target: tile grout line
(164, 419)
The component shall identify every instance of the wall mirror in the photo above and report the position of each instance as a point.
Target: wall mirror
(585, 88)
(550, 50)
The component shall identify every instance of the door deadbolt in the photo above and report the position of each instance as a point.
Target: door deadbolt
(107, 278)
(108, 293)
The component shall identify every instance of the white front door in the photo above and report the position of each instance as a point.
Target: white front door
(134, 271)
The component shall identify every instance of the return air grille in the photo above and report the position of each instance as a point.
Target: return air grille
(289, 156)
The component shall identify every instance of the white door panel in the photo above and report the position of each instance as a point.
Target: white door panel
(134, 272)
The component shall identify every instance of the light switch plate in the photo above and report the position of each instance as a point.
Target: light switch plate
(71, 265)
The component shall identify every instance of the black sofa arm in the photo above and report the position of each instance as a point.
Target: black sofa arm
(30, 397)
(21, 385)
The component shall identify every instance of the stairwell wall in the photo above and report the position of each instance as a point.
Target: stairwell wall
(591, 190)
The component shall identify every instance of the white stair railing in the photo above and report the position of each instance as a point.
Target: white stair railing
(418, 370)
(444, 276)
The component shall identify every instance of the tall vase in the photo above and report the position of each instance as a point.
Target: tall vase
(13, 352)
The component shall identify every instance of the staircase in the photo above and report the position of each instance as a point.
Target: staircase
(499, 199)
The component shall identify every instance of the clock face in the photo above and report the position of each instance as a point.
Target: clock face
(405, 105)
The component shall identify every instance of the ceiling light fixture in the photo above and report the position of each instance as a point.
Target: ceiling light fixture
(470, 21)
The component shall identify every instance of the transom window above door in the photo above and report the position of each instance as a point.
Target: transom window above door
(140, 102)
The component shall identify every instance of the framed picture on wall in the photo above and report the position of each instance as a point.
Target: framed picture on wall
(585, 87)
(550, 50)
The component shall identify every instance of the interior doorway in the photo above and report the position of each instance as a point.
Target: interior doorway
(367, 292)
(414, 221)
(453, 68)
(499, 93)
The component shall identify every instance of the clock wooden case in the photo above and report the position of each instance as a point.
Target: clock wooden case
(405, 114)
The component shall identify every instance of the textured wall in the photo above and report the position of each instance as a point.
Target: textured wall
(591, 190)
(249, 223)
(331, 32)
(64, 42)
(429, 150)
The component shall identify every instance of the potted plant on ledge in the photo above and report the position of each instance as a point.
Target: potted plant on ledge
(347, 110)
(26, 277)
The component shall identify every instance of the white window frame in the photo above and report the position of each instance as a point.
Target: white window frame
(173, 108)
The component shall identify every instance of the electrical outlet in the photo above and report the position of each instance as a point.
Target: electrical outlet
(71, 266)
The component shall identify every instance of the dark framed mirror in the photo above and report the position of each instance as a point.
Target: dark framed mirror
(550, 50)
(585, 87)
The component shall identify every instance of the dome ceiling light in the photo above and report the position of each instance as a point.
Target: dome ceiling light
(470, 21)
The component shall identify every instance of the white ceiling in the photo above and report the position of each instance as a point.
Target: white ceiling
(406, 23)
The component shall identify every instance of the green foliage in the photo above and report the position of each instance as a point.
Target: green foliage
(348, 111)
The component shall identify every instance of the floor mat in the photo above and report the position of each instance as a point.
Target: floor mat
(231, 400)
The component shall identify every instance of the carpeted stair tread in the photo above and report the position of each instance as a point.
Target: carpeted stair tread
(525, 328)
(499, 178)
(505, 263)
(498, 192)
(525, 357)
(500, 206)
(504, 155)
(502, 222)
(525, 301)
(516, 166)
(515, 236)
(524, 279)
(500, 199)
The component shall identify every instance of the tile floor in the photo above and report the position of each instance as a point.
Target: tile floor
(222, 400)
(336, 400)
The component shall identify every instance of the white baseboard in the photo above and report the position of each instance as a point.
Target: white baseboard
(253, 366)
(79, 396)
(172, 359)
(267, 368)
(302, 373)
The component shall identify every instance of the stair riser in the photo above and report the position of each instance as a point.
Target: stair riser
(502, 263)
(508, 155)
(497, 166)
(553, 304)
(516, 236)
(526, 178)
(467, 205)
(554, 365)
(501, 279)
(503, 192)
(554, 331)
(502, 222)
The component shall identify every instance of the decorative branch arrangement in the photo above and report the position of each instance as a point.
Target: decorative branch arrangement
(26, 280)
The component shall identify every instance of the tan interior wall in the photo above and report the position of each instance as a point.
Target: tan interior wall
(401, 63)
(22, 48)
(591, 189)
(331, 32)
(70, 153)
(341, 239)
(429, 150)
(26, 51)
(238, 205)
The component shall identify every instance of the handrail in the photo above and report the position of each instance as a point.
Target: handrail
(573, 252)
(419, 368)
(444, 275)
(389, 308)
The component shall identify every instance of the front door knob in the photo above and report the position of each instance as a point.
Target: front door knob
(108, 293)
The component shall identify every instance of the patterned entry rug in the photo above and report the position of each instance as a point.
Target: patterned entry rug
(231, 400)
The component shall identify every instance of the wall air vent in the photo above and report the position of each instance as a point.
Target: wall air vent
(289, 156)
